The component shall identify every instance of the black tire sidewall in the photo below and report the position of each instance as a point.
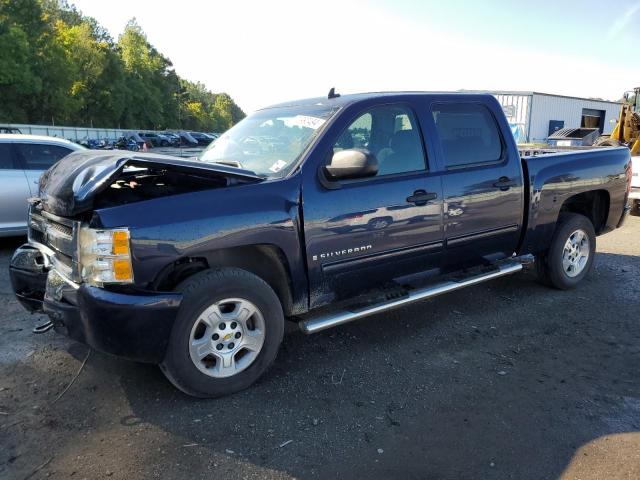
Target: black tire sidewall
(568, 224)
(200, 292)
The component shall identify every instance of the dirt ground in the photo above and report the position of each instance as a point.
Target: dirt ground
(507, 379)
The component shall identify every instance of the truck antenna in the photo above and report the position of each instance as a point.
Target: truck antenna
(332, 93)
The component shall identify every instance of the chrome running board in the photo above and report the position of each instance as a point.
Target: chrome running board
(319, 323)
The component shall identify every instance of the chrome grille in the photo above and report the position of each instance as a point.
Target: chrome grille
(59, 235)
(64, 229)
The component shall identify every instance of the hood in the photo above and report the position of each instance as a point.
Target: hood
(71, 185)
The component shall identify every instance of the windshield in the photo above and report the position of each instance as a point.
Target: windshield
(269, 142)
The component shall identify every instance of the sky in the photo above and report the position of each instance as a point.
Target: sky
(265, 52)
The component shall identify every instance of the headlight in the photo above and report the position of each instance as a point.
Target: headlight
(105, 256)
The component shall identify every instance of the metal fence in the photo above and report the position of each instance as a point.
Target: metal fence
(71, 133)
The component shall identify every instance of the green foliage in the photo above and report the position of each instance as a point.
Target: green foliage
(57, 65)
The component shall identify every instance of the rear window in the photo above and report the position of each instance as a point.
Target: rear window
(468, 134)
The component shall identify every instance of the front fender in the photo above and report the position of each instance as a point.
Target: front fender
(167, 229)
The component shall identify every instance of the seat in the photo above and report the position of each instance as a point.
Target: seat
(405, 155)
(345, 142)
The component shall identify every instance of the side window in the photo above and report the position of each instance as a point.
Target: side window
(468, 134)
(389, 132)
(357, 135)
(40, 157)
(6, 157)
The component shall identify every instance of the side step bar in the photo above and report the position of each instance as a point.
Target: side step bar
(317, 324)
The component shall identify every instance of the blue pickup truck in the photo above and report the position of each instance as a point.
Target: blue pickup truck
(320, 212)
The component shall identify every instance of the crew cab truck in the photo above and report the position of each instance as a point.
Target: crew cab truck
(319, 211)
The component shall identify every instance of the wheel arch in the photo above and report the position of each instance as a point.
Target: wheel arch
(593, 204)
(263, 260)
(545, 214)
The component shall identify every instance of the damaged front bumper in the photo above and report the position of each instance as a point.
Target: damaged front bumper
(136, 325)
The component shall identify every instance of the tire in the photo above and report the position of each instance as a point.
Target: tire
(224, 296)
(570, 257)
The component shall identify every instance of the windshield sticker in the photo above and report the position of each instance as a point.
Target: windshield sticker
(276, 167)
(306, 121)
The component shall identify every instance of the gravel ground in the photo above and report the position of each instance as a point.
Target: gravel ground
(507, 379)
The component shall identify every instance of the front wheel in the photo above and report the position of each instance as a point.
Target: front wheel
(570, 258)
(227, 333)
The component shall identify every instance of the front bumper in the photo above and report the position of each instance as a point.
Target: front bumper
(134, 326)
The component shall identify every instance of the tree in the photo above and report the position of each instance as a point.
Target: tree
(58, 65)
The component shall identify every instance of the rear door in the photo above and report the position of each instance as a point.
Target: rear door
(482, 183)
(36, 158)
(14, 191)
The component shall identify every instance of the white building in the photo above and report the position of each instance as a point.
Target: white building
(534, 116)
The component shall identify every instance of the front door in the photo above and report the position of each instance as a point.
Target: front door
(372, 230)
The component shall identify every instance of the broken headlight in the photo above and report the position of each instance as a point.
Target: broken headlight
(105, 256)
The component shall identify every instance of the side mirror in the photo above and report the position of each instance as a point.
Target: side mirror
(352, 163)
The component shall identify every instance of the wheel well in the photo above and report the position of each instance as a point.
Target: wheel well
(265, 261)
(594, 205)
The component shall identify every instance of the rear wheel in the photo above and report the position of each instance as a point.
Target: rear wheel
(227, 333)
(570, 258)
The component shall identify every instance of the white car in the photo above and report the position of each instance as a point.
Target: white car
(634, 195)
(23, 158)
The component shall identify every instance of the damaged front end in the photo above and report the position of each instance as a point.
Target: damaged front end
(74, 271)
(48, 276)
(87, 180)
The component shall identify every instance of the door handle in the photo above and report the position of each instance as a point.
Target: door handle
(504, 183)
(421, 197)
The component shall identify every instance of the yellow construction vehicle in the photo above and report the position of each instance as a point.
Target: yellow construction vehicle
(627, 131)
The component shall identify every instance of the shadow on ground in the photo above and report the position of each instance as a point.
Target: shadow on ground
(507, 380)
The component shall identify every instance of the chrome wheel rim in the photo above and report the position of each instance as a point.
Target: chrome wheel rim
(227, 337)
(575, 254)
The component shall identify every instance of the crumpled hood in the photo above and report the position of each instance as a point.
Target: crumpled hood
(70, 186)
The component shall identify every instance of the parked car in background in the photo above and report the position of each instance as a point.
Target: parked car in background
(187, 140)
(12, 130)
(151, 139)
(174, 139)
(23, 158)
(155, 139)
(168, 140)
(202, 138)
